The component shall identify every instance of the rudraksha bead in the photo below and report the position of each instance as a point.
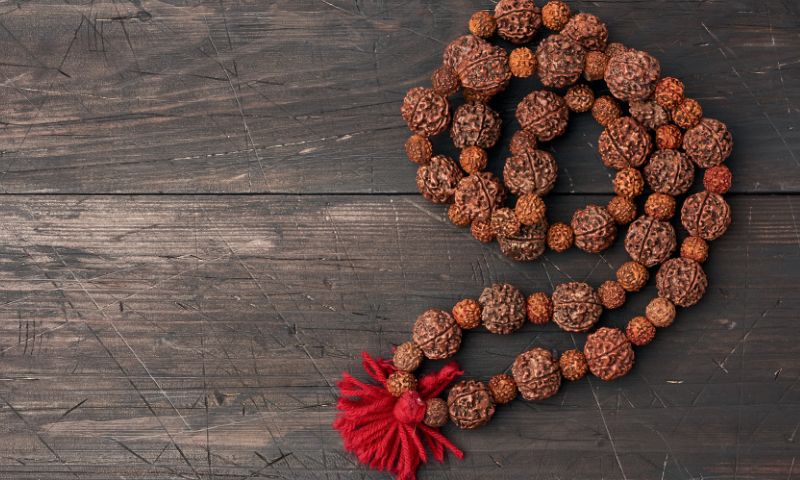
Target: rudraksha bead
(536, 374)
(460, 48)
(485, 70)
(479, 194)
(539, 308)
(445, 81)
(611, 294)
(530, 172)
(467, 313)
(435, 413)
(594, 228)
(632, 75)
(418, 149)
(587, 30)
(718, 179)
(579, 98)
(694, 248)
(456, 215)
(594, 67)
(660, 206)
(481, 230)
(573, 365)
(437, 334)
(503, 388)
(576, 306)
(640, 331)
(608, 353)
(670, 172)
(615, 48)
(544, 114)
(560, 237)
(650, 241)
(503, 308)
(709, 143)
(628, 183)
(706, 215)
(517, 20)
(605, 110)
(504, 222)
(473, 159)
(522, 142)
(660, 312)
(650, 114)
(401, 382)
(426, 112)
(681, 281)
(527, 245)
(687, 114)
(438, 179)
(669, 137)
(407, 357)
(475, 124)
(624, 143)
(669, 92)
(522, 62)
(470, 404)
(561, 61)
(482, 24)
(555, 15)
(622, 210)
(632, 276)
(530, 209)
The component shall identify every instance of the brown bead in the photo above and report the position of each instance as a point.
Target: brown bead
(479, 194)
(579, 98)
(669, 92)
(573, 365)
(622, 210)
(444, 81)
(560, 237)
(517, 20)
(536, 374)
(522, 62)
(470, 404)
(482, 231)
(640, 331)
(473, 159)
(482, 24)
(472, 96)
(660, 312)
(588, 30)
(437, 334)
(435, 413)
(503, 388)
(437, 180)
(615, 48)
(418, 149)
(533, 172)
(467, 313)
(522, 142)
(407, 357)
(555, 15)
(706, 215)
(660, 206)
(503, 308)
(504, 223)
(462, 48)
(628, 183)
(694, 248)
(426, 112)
(475, 124)
(401, 382)
(608, 353)
(539, 308)
(594, 228)
(718, 179)
(594, 67)
(670, 172)
(576, 307)
(650, 114)
(681, 281)
(544, 114)
(484, 70)
(530, 209)
(650, 241)
(709, 143)
(527, 245)
(456, 215)
(605, 110)
(632, 75)
(687, 114)
(611, 294)
(624, 143)
(561, 61)
(632, 276)
(669, 137)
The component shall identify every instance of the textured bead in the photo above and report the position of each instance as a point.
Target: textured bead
(587, 30)
(544, 114)
(470, 404)
(709, 143)
(426, 112)
(467, 313)
(573, 365)
(475, 124)
(530, 172)
(687, 114)
(473, 159)
(407, 357)
(611, 294)
(561, 61)
(401, 382)
(576, 306)
(669, 137)
(418, 149)
(539, 308)
(435, 413)
(436, 333)
(579, 98)
(536, 374)
(632, 75)
(628, 183)
(481, 230)
(503, 388)
(479, 194)
(632, 276)
(517, 20)
(605, 110)
(640, 331)
(560, 237)
(670, 172)
(660, 206)
(615, 48)
(456, 215)
(555, 15)
(461, 48)
(694, 248)
(608, 353)
(594, 67)
(527, 245)
(624, 143)
(522, 142)
(594, 228)
(522, 62)
(530, 209)
(485, 70)
(681, 281)
(438, 179)
(503, 308)
(718, 179)
(482, 24)
(622, 210)
(445, 81)
(504, 222)
(706, 215)
(669, 92)
(660, 312)
(650, 241)
(650, 114)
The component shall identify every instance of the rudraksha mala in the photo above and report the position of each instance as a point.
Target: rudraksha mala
(658, 144)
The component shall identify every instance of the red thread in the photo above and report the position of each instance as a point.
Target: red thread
(385, 432)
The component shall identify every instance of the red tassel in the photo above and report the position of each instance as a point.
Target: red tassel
(385, 432)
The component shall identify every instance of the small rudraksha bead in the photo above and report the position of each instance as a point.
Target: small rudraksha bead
(608, 353)
(660, 312)
(706, 215)
(418, 149)
(640, 331)
(605, 110)
(444, 81)
(539, 308)
(467, 313)
(536, 374)
(681, 281)
(560, 237)
(687, 114)
(527, 245)
(632, 75)
(473, 159)
(670, 172)
(522, 62)
(482, 24)
(561, 60)
(650, 114)
(438, 179)
(579, 98)
(407, 357)
(694, 248)
(718, 179)
(530, 209)
(669, 137)
(437, 334)
(587, 30)
(632, 276)
(456, 215)
(611, 294)
(530, 172)
(479, 194)
(485, 70)
(624, 143)
(435, 413)
(475, 124)
(669, 92)
(504, 222)
(628, 183)
(503, 308)
(594, 228)
(709, 143)
(544, 114)
(576, 306)
(426, 112)
(622, 210)
(517, 20)
(482, 231)
(594, 67)
(470, 404)
(401, 382)
(660, 206)
(522, 142)
(573, 365)
(503, 388)
(555, 15)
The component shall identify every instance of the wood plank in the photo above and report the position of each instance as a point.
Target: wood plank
(303, 96)
(199, 337)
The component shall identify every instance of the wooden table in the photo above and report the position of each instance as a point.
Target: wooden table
(206, 215)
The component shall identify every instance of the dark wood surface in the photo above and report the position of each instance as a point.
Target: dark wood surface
(206, 215)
